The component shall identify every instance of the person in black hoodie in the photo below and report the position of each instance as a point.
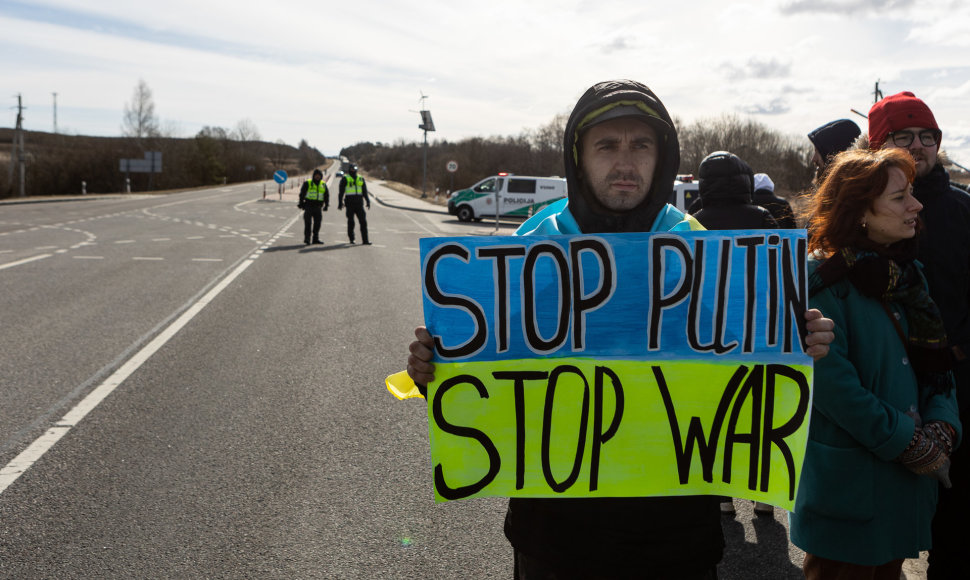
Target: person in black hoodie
(906, 122)
(726, 187)
(621, 156)
(764, 195)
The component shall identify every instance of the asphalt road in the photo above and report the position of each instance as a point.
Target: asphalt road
(213, 392)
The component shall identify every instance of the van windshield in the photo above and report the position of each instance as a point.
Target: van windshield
(486, 186)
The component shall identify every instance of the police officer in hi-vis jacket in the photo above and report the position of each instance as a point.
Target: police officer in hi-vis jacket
(314, 197)
(353, 194)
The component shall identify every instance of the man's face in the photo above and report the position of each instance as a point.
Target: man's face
(617, 160)
(924, 155)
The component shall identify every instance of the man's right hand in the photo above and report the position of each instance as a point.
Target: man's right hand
(420, 367)
(300, 205)
(341, 206)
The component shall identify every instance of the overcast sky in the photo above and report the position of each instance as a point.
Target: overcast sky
(337, 73)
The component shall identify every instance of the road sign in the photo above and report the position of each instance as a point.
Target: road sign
(452, 166)
(280, 177)
(152, 163)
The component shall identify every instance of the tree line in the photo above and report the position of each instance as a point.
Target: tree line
(787, 159)
(58, 164)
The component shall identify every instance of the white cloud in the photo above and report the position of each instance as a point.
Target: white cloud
(336, 74)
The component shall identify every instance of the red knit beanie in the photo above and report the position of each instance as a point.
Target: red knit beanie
(897, 112)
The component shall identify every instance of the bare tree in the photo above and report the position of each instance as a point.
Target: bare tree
(245, 131)
(140, 120)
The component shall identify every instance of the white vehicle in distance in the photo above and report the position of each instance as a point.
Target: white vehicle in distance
(685, 192)
(514, 195)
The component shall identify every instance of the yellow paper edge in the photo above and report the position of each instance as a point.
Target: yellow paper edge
(402, 386)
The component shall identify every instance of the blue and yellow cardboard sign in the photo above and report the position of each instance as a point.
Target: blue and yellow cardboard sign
(618, 364)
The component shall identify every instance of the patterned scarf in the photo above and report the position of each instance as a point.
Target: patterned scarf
(891, 275)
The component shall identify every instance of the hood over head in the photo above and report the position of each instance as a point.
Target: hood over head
(725, 177)
(611, 100)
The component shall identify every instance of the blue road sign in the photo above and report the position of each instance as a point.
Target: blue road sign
(279, 176)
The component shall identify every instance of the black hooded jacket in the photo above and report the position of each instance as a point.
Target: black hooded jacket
(625, 537)
(779, 208)
(590, 214)
(726, 188)
(944, 250)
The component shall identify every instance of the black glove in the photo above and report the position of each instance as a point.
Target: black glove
(368, 206)
(326, 207)
(300, 205)
(341, 206)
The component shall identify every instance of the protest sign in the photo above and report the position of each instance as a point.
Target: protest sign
(618, 364)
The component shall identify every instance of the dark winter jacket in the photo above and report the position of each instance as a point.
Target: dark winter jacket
(623, 537)
(726, 188)
(944, 250)
(778, 207)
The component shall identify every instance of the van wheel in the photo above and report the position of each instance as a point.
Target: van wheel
(465, 214)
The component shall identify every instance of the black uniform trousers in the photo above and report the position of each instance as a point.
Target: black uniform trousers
(312, 216)
(355, 207)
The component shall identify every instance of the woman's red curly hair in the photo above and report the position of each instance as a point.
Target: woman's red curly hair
(853, 180)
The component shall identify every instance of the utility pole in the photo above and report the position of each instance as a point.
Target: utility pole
(55, 113)
(19, 156)
(426, 125)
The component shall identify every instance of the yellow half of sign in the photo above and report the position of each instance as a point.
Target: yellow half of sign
(402, 386)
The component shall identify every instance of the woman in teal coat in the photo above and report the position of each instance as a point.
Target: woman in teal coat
(884, 413)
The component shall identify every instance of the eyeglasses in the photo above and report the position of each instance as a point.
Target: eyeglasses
(928, 137)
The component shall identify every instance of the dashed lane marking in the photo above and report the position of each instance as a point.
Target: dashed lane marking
(29, 456)
(25, 261)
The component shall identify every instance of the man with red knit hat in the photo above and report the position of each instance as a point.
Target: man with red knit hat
(904, 121)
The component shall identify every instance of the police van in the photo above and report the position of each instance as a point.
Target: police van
(514, 195)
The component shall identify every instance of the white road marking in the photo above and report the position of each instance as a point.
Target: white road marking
(25, 261)
(28, 457)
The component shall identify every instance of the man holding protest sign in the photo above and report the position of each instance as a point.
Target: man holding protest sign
(621, 158)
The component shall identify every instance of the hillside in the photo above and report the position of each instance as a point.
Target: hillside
(57, 164)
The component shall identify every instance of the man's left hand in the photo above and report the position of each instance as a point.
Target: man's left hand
(820, 333)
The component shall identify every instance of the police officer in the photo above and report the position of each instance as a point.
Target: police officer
(353, 193)
(314, 195)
